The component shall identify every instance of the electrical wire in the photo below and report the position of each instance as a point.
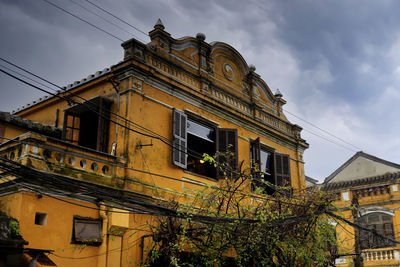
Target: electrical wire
(134, 243)
(24, 171)
(360, 227)
(104, 10)
(188, 152)
(123, 21)
(151, 173)
(298, 117)
(322, 130)
(97, 15)
(81, 19)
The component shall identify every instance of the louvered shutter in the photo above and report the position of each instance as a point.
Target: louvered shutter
(256, 153)
(179, 127)
(255, 163)
(282, 169)
(227, 142)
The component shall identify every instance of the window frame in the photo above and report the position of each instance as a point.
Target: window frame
(369, 240)
(181, 142)
(279, 173)
(79, 240)
(97, 106)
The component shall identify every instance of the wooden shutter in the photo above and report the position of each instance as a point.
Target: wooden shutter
(282, 169)
(255, 150)
(103, 125)
(179, 133)
(2, 131)
(227, 142)
(256, 153)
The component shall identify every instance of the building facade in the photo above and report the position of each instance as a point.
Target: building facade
(367, 193)
(85, 169)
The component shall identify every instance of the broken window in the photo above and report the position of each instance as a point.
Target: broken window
(87, 124)
(269, 166)
(194, 137)
(87, 231)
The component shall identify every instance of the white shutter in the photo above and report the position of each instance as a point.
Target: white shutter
(179, 133)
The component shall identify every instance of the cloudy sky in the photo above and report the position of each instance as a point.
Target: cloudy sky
(337, 63)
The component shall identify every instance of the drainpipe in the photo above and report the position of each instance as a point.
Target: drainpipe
(103, 249)
(117, 119)
(118, 90)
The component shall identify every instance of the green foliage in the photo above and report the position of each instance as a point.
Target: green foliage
(15, 231)
(266, 230)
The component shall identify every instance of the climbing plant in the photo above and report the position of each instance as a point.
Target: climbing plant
(243, 228)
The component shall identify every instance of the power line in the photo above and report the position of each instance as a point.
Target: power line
(322, 130)
(97, 15)
(330, 141)
(361, 227)
(342, 140)
(134, 243)
(68, 99)
(77, 17)
(114, 16)
(30, 174)
(159, 137)
(156, 174)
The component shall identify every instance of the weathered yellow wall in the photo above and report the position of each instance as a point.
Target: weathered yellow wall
(10, 132)
(345, 232)
(57, 233)
(150, 108)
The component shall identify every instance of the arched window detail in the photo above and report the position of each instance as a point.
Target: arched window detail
(380, 222)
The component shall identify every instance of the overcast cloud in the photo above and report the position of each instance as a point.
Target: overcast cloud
(337, 63)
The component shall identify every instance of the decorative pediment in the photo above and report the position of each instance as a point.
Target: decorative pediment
(207, 67)
(231, 69)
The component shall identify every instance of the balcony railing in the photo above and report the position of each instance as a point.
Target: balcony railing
(381, 255)
(56, 156)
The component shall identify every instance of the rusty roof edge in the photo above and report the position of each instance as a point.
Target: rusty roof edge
(67, 88)
(364, 181)
(29, 124)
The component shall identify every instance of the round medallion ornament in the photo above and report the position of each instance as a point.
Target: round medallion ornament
(228, 72)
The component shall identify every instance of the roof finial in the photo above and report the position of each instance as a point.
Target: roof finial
(159, 25)
(278, 93)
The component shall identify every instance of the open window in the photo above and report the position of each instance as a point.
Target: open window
(382, 224)
(193, 137)
(268, 166)
(87, 124)
(87, 231)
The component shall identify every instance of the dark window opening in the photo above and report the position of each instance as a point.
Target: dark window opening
(268, 167)
(87, 124)
(40, 218)
(193, 138)
(87, 231)
(380, 223)
(200, 140)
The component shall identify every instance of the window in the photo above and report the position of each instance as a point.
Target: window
(87, 124)
(40, 218)
(193, 137)
(380, 222)
(87, 231)
(269, 166)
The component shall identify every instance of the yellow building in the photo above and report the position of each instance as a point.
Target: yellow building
(374, 182)
(85, 169)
